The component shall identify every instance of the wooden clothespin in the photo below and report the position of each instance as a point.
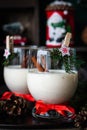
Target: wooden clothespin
(8, 42)
(67, 39)
(11, 44)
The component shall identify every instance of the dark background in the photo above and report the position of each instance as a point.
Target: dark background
(7, 7)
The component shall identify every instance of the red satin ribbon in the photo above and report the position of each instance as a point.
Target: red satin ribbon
(7, 95)
(42, 108)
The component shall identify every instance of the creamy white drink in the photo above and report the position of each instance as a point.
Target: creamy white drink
(54, 87)
(16, 78)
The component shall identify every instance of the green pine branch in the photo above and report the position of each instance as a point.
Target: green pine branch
(69, 62)
(9, 59)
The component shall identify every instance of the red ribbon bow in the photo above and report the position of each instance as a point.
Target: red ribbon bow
(7, 95)
(42, 108)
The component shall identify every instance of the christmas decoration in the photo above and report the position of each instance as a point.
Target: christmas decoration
(62, 109)
(9, 57)
(6, 53)
(60, 20)
(13, 104)
(80, 119)
(65, 57)
(9, 54)
(65, 51)
(12, 55)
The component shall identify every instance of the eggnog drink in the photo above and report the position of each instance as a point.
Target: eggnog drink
(54, 87)
(16, 78)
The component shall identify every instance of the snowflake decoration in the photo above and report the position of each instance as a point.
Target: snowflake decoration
(65, 51)
(6, 53)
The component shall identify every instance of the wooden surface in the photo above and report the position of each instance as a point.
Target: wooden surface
(28, 122)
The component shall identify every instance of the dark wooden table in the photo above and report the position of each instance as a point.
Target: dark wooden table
(29, 122)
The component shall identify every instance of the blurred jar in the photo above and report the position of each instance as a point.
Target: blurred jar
(60, 20)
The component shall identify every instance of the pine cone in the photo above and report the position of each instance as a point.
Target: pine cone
(81, 118)
(2, 103)
(16, 106)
